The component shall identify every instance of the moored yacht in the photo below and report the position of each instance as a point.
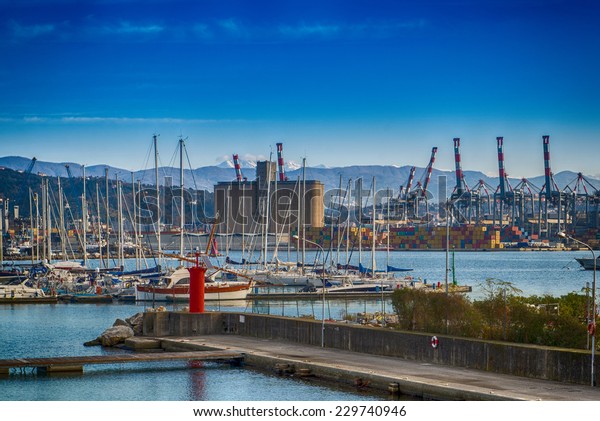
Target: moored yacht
(176, 287)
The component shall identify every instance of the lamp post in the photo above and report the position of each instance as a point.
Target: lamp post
(447, 241)
(449, 203)
(592, 326)
(295, 237)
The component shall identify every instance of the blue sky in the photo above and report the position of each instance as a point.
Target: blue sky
(338, 82)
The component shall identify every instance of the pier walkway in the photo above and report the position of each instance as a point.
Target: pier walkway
(63, 364)
(429, 381)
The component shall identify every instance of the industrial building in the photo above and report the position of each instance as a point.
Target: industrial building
(245, 206)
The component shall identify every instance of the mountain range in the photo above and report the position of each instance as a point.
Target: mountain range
(204, 178)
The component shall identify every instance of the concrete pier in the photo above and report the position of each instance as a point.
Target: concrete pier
(415, 379)
(456, 369)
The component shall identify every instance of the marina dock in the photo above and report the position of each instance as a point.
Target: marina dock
(344, 295)
(316, 296)
(36, 300)
(75, 364)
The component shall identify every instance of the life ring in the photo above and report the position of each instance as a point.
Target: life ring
(591, 329)
(434, 342)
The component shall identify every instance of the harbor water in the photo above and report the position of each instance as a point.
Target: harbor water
(50, 330)
(533, 272)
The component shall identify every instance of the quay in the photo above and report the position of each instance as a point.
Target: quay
(75, 364)
(33, 300)
(382, 359)
(315, 295)
(348, 295)
(384, 374)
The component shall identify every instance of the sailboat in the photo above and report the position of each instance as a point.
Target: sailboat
(282, 273)
(176, 287)
(18, 287)
(351, 286)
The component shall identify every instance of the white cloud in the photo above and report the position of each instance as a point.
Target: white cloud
(349, 30)
(309, 30)
(30, 31)
(234, 28)
(73, 119)
(128, 28)
(203, 31)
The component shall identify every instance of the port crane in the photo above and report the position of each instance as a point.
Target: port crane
(581, 195)
(551, 196)
(31, 164)
(238, 168)
(422, 187)
(68, 171)
(462, 199)
(282, 176)
(504, 196)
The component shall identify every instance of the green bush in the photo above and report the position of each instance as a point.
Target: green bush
(502, 314)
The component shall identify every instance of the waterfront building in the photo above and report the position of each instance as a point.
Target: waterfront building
(242, 205)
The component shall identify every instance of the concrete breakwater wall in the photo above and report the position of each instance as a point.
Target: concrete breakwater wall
(548, 363)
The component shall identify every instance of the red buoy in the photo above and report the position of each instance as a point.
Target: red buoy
(197, 289)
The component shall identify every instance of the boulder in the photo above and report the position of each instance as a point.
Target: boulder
(137, 323)
(115, 335)
(95, 342)
(120, 322)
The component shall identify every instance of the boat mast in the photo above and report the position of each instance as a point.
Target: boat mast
(61, 212)
(303, 210)
(37, 226)
(228, 207)
(388, 233)
(107, 217)
(135, 233)
(99, 223)
(348, 225)
(49, 223)
(85, 220)
(339, 231)
(138, 240)
(44, 221)
(243, 200)
(298, 225)
(159, 249)
(181, 203)
(359, 196)
(374, 242)
(31, 224)
(387, 264)
(119, 221)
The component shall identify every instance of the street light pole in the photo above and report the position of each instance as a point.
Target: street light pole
(447, 240)
(592, 326)
(295, 237)
(449, 205)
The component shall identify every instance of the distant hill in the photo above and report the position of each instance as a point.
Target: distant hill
(204, 178)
